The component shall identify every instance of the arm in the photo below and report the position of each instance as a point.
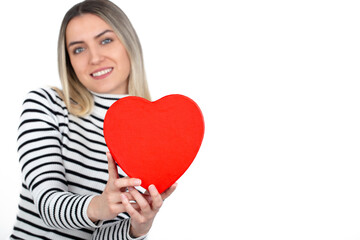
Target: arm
(40, 157)
(120, 230)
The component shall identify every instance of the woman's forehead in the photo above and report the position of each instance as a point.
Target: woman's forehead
(85, 26)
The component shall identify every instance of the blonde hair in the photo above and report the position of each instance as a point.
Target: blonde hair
(77, 98)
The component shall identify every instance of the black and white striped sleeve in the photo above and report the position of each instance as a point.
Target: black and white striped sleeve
(118, 230)
(39, 149)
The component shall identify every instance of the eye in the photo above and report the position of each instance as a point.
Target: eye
(106, 41)
(78, 50)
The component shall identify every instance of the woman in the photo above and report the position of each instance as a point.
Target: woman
(72, 188)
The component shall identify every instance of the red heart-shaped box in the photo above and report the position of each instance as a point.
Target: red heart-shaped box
(154, 141)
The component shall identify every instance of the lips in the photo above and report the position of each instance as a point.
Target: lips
(101, 73)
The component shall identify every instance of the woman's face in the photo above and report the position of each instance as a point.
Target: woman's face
(99, 59)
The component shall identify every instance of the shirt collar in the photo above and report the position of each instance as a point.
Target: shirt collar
(102, 102)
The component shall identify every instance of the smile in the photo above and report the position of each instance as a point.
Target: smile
(102, 72)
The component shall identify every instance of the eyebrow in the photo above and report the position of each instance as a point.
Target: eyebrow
(97, 36)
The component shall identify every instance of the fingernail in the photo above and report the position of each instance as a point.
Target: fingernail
(152, 187)
(138, 182)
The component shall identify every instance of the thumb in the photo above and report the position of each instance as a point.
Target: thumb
(112, 169)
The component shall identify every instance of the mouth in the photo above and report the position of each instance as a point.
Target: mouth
(102, 73)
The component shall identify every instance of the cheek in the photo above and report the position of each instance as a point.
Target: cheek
(125, 64)
(127, 67)
(78, 65)
(123, 60)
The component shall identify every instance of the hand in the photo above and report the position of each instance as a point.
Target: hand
(164, 195)
(108, 205)
(143, 217)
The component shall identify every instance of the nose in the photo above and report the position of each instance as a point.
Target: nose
(96, 56)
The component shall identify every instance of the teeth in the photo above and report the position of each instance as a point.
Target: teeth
(100, 73)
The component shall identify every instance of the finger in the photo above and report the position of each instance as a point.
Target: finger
(164, 195)
(157, 200)
(123, 183)
(147, 196)
(118, 200)
(112, 169)
(119, 208)
(169, 191)
(135, 206)
(128, 195)
(119, 184)
(133, 212)
(143, 203)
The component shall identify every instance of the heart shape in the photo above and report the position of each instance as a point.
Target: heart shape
(154, 141)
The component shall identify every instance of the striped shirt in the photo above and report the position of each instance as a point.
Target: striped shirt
(64, 165)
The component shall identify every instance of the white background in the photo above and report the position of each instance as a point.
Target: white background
(278, 83)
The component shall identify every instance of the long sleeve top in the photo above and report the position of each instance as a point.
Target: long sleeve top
(64, 165)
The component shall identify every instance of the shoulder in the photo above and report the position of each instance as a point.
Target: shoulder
(46, 99)
(47, 93)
